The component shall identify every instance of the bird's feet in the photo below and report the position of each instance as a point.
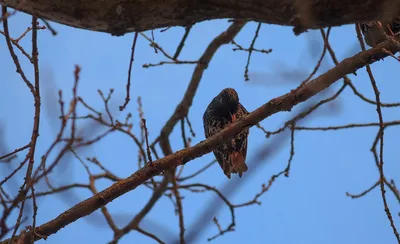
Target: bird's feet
(390, 31)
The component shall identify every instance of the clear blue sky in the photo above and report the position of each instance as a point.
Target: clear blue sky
(308, 207)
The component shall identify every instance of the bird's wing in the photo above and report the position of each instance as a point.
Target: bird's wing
(213, 125)
(242, 110)
(240, 141)
(222, 157)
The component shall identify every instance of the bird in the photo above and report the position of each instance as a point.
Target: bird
(376, 32)
(222, 111)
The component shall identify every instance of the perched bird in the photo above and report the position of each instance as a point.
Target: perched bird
(376, 32)
(224, 110)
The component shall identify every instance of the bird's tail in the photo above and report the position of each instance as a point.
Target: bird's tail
(237, 163)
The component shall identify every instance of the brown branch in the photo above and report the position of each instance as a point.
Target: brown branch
(35, 208)
(151, 235)
(142, 133)
(365, 99)
(348, 126)
(28, 183)
(146, 135)
(185, 142)
(394, 189)
(179, 209)
(364, 192)
(97, 139)
(60, 189)
(292, 129)
(182, 43)
(190, 126)
(251, 49)
(240, 48)
(16, 44)
(12, 53)
(36, 119)
(49, 27)
(381, 133)
(115, 16)
(128, 83)
(153, 39)
(157, 47)
(198, 172)
(106, 100)
(15, 151)
(168, 62)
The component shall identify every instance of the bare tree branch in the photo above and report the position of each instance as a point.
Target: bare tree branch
(118, 17)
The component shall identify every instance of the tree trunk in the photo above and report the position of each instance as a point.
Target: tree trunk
(122, 16)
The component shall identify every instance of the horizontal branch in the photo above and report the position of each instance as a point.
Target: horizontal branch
(282, 103)
(120, 17)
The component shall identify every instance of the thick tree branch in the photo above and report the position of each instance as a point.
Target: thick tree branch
(119, 17)
(282, 103)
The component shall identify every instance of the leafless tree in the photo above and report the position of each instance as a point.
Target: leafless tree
(162, 174)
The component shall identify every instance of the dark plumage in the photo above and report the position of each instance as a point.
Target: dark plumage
(224, 110)
(376, 32)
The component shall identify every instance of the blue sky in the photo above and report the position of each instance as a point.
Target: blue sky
(308, 207)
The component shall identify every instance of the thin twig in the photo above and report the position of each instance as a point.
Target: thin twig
(179, 208)
(128, 83)
(15, 151)
(292, 129)
(151, 235)
(364, 192)
(246, 69)
(198, 172)
(182, 43)
(147, 141)
(51, 29)
(381, 133)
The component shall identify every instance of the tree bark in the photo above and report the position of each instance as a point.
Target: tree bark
(122, 16)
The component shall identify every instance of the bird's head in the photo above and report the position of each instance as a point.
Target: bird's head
(228, 99)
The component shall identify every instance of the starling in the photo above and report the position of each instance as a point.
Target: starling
(224, 110)
(376, 32)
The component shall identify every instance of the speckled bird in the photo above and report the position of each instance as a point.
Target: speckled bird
(376, 32)
(224, 110)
